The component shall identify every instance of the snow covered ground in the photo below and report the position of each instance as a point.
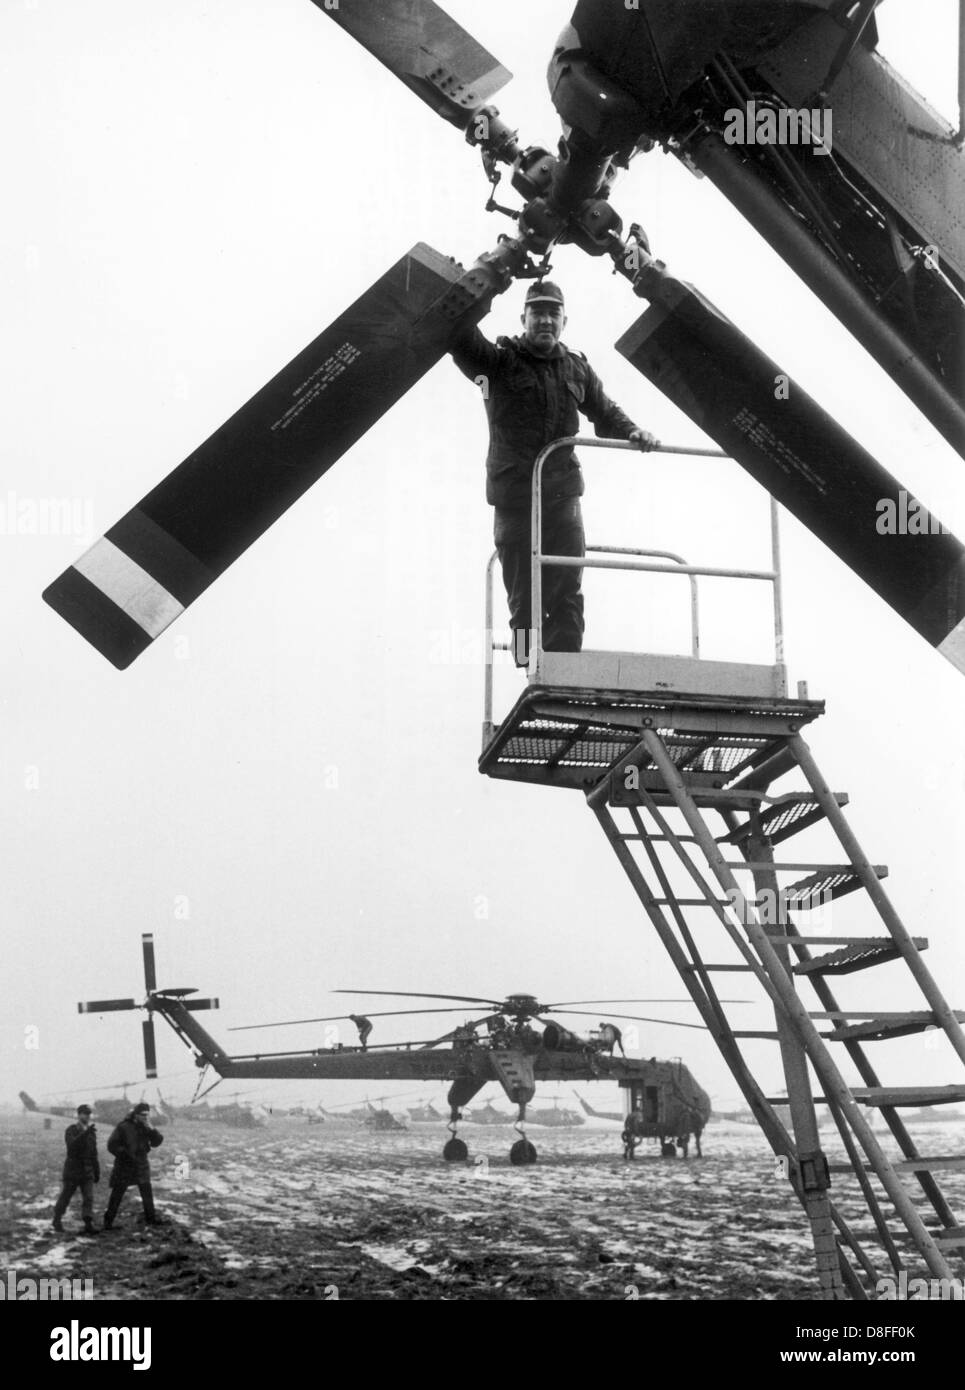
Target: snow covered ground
(299, 1211)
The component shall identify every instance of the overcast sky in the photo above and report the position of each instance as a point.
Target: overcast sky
(284, 787)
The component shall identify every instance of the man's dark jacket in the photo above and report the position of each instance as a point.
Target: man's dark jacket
(531, 400)
(130, 1144)
(81, 1163)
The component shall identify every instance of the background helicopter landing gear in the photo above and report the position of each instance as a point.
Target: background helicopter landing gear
(455, 1150)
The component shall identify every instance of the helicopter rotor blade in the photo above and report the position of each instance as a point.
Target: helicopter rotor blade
(150, 1048)
(131, 584)
(106, 1006)
(419, 994)
(150, 973)
(335, 1018)
(198, 1005)
(426, 49)
(803, 457)
(567, 1003)
(637, 1018)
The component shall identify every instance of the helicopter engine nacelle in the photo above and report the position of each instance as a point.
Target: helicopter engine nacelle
(556, 1038)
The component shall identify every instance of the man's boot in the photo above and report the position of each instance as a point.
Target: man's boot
(57, 1224)
(88, 1228)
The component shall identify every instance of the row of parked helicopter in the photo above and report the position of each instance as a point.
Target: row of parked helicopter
(111, 1110)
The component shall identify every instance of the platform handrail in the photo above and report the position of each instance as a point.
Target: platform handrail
(539, 560)
(630, 558)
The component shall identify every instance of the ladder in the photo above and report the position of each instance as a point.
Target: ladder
(686, 796)
(680, 761)
(655, 803)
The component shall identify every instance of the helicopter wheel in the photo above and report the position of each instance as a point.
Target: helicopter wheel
(668, 1149)
(522, 1152)
(455, 1151)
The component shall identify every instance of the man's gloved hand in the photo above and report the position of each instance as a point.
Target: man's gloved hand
(644, 440)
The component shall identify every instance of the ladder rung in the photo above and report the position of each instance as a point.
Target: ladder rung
(683, 839)
(951, 1237)
(695, 970)
(692, 902)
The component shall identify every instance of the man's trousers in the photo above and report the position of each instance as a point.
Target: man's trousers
(70, 1186)
(562, 601)
(117, 1196)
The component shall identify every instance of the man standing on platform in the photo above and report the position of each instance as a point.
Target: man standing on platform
(535, 389)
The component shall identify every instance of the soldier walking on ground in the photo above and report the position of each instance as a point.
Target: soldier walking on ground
(131, 1143)
(81, 1169)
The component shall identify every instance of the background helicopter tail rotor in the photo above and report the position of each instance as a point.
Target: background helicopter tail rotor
(153, 996)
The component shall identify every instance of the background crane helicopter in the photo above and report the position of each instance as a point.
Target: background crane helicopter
(512, 1052)
(884, 256)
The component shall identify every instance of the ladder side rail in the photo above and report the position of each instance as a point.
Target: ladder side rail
(870, 1196)
(757, 850)
(944, 1015)
(774, 1130)
(866, 1070)
(780, 985)
(489, 651)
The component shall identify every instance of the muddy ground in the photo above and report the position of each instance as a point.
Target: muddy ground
(293, 1211)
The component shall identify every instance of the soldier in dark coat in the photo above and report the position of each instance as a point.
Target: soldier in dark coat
(535, 389)
(81, 1169)
(131, 1143)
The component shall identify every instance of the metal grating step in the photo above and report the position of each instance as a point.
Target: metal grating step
(939, 1164)
(830, 882)
(785, 816)
(869, 950)
(885, 1097)
(882, 1026)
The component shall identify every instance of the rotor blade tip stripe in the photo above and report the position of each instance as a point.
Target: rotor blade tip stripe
(953, 647)
(129, 586)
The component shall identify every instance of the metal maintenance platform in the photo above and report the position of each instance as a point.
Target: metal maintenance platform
(581, 713)
(567, 736)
